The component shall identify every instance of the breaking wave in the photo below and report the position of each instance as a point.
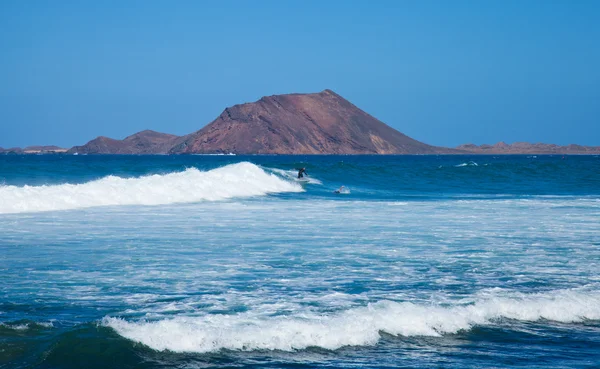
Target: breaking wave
(293, 176)
(354, 327)
(469, 164)
(236, 180)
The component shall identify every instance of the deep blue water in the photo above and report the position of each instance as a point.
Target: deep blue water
(229, 261)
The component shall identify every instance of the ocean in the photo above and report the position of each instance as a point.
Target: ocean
(229, 261)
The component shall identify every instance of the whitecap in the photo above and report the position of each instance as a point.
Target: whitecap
(192, 185)
(357, 326)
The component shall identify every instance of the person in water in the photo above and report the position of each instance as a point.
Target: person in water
(301, 172)
(340, 190)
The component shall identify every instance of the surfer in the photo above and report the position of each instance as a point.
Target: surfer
(301, 172)
(340, 190)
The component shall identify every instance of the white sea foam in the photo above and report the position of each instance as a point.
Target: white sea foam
(293, 175)
(217, 154)
(26, 326)
(469, 164)
(343, 190)
(356, 326)
(192, 185)
(16, 327)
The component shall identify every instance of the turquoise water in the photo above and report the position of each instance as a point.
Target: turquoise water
(228, 261)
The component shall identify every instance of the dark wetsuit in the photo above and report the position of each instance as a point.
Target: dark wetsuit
(301, 173)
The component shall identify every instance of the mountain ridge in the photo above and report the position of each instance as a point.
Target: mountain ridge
(296, 123)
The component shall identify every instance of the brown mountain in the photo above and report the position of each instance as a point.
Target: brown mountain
(144, 142)
(529, 148)
(319, 123)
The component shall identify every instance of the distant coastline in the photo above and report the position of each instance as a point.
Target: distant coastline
(34, 150)
(524, 148)
(531, 149)
(321, 123)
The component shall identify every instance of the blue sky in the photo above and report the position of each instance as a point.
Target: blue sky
(442, 72)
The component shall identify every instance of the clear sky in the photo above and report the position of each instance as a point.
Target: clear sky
(443, 72)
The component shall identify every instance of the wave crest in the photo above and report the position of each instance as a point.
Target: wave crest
(358, 326)
(236, 180)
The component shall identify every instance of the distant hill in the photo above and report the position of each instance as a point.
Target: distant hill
(12, 150)
(315, 123)
(529, 148)
(319, 123)
(43, 149)
(144, 142)
(49, 149)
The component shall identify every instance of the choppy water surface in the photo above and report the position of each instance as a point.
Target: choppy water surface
(203, 261)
